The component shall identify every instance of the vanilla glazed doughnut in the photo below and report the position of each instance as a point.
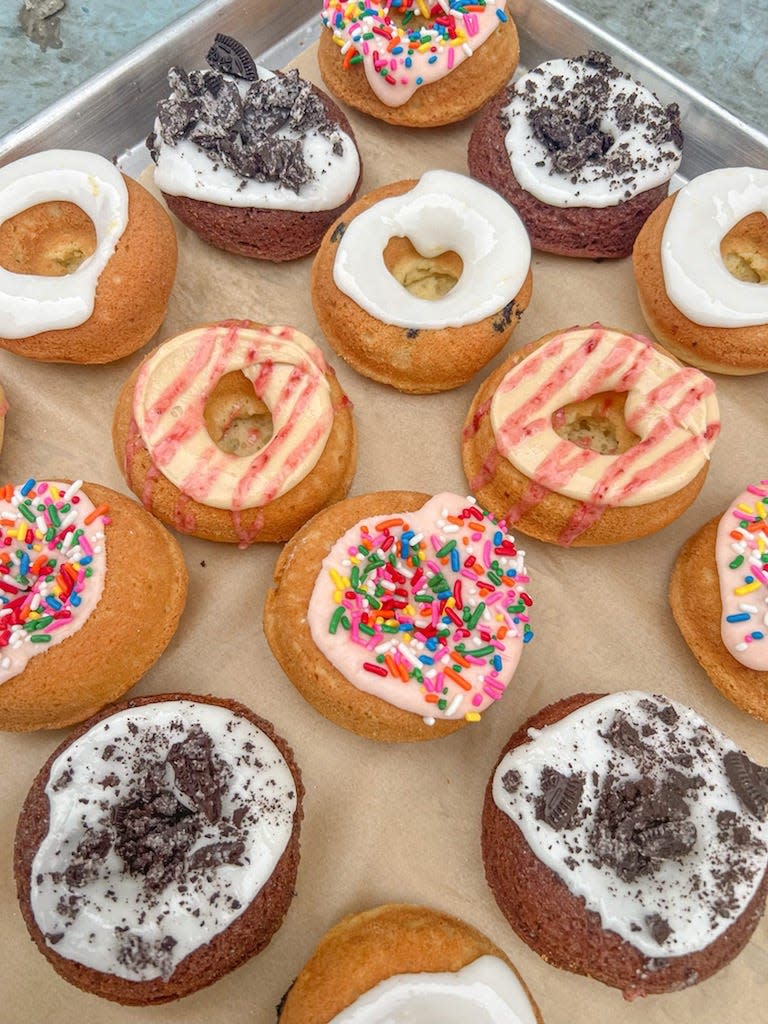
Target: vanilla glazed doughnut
(158, 847)
(256, 162)
(582, 151)
(399, 616)
(413, 65)
(701, 268)
(420, 283)
(626, 839)
(590, 436)
(91, 592)
(190, 435)
(87, 259)
(719, 598)
(399, 963)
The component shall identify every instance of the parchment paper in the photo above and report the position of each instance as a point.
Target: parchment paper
(387, 823)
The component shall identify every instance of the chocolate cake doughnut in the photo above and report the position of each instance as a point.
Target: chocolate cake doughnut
(399, 616)
(87, 259)
(582, 151)
(413, 64)
(158, 847)
(719, 598)
(407, 960)
(626, 839)
(256, 162)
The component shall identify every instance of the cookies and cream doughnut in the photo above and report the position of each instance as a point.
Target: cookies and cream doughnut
(235, 432)
(625, 838)
(414, 64)
(590, 436)
(582, 151)
(87, 259)
(84, 573)
(400, 963)
(400, 616)
(158, 847)
(701, 267)
(420, 283)
(719, 598)
(255, 162)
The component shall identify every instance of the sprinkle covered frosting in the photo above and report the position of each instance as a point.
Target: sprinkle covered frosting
(427, 610)
(742, 566)
(52, 565)
(409, 43)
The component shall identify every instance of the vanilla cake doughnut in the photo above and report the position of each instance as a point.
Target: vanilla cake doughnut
(719, 598)
(158, 847)
(626, 839)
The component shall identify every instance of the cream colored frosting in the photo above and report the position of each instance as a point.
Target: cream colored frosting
(33, 303)
(443, 212)
(672, 409)
(287, 370)
(697, 280)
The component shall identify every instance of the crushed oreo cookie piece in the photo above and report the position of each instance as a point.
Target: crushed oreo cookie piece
(196, 775)
(560, 798)
(659, 928)
(509, 313)
(229, 56)
(511, 781)
(749, 782)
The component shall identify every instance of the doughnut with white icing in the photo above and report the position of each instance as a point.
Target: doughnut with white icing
(421, 283)
(626, 839)
(158, 847)
(87, 259)
(590, 436)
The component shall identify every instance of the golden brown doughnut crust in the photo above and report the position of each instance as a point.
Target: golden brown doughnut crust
(244, 938)
(694, 595)
(433, 360)
(288, 634)
(498, 485)
(365, 949)
(732, 350)
(145, 589)
(327, 482)
(452, 98)
(131, 296)
(556, 924)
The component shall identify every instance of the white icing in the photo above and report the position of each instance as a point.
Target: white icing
(574, 746)
(443, 212)
(486, 991)
(33, 303)
(261, 781)
(697, 280)
(652, 164)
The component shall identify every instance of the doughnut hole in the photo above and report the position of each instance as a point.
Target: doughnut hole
(596, 423)
(237, 420)
(48, 240)
(745, 249)
(426, 277)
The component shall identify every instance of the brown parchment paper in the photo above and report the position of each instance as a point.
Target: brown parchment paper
(386, 823)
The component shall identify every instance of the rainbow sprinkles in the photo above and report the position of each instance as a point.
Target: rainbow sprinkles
(409, 43)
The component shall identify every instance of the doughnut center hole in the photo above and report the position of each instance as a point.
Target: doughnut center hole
(596, 423)
(426, 277)
(48, 240)
(745, 249)
(236, 419)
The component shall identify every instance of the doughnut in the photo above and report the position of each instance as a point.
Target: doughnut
(87, 259)
(701, 268)
(255, 162)
(582, 151)
(235, 432)
(719, 598)
(399, 616)
(421, 283)
(428, 81)
(626, 839)
(401, 962)
(590, 436)
(84, 573)
(158, 847)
